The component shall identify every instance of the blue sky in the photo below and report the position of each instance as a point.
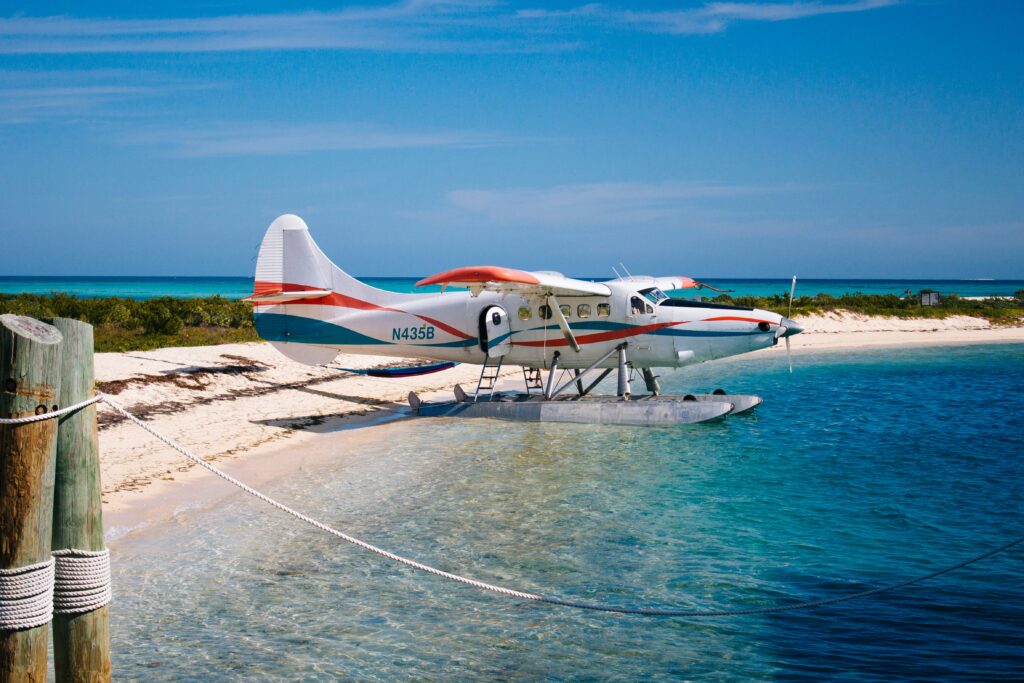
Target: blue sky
(840, 138)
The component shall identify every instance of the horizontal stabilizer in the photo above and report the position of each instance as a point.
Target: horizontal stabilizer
(280, 297)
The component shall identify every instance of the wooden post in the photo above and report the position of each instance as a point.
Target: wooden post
(81, 642)
(30, 379)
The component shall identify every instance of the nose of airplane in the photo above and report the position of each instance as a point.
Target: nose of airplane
(791, 328)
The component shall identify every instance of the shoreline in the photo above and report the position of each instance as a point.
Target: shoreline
(242, 406)
(198, 488)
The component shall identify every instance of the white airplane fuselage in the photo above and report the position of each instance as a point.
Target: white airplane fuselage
(311, 310)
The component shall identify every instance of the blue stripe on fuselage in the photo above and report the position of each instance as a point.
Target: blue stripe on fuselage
(297, 329)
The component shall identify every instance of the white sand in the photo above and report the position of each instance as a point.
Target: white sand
(226, 401)
(852, 330)
(250, 409)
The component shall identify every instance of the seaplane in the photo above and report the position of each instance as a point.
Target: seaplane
(576, 331)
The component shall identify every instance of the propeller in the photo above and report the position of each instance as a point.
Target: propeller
(783, 330)
(789, 316)
(704, 285)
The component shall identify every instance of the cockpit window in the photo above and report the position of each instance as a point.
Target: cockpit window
(654, 295)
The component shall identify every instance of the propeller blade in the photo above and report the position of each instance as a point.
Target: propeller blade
(792, 291)
(704, 285)
(789, 356)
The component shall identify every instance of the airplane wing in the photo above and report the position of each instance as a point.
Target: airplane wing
(507, 280)
(680, 282)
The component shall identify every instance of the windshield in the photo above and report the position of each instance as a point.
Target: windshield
(654, 295)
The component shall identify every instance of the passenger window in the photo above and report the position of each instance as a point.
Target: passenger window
(604, 310)
(544, 312)
(583, 310)
(525, 313)
(566, 309)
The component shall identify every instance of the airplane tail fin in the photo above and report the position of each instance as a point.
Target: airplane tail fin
(297, 285)
(289, 260)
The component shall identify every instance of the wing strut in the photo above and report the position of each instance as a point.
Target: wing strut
(562, 322)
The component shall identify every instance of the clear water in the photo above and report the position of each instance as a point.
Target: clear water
(238, 287)
(861, 468)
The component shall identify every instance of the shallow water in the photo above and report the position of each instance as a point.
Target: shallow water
(861, 468)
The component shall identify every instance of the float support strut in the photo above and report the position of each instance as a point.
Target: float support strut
(652, 382)
(624, 390)
(597, 381)
(551, 376)
(578, 379)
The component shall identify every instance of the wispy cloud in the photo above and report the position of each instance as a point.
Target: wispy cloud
(712, 17)
(28, 96)
(412, 25)
(592, 204)
(264, 138)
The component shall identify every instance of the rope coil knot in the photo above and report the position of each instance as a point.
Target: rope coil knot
(71, 582)
(81, 580)
(26, 596)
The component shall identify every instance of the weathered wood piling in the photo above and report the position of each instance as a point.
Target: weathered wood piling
(30, 373)
(81, 642)
(50, 500)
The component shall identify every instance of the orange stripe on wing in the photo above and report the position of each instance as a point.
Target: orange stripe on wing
(480, 274)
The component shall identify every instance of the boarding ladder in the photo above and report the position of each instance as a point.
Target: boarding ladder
(488, 377)
(533, 380)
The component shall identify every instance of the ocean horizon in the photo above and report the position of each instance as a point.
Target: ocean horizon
(235, 287)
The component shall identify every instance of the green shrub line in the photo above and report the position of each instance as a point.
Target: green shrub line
(997, 311)
(124, 324)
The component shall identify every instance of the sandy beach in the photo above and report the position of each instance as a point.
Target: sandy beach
(258, 415)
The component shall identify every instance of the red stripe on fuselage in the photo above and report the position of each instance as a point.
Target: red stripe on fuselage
(611, 335)
(342, 301)
(631, 332)
(733, 317)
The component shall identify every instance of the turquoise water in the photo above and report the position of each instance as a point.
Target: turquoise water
(861, 468)
(238, 287)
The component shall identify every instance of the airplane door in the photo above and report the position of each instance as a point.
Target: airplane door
(495, 332)
(640, 311)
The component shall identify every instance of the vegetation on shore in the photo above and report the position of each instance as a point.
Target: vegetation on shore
(124, 324)
(998, 311)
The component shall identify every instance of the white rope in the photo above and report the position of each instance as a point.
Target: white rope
(26, 596)
(27, 593)
(309, 520)
(73, 581)
(597, 607)
(81, 580)
(29, 419)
